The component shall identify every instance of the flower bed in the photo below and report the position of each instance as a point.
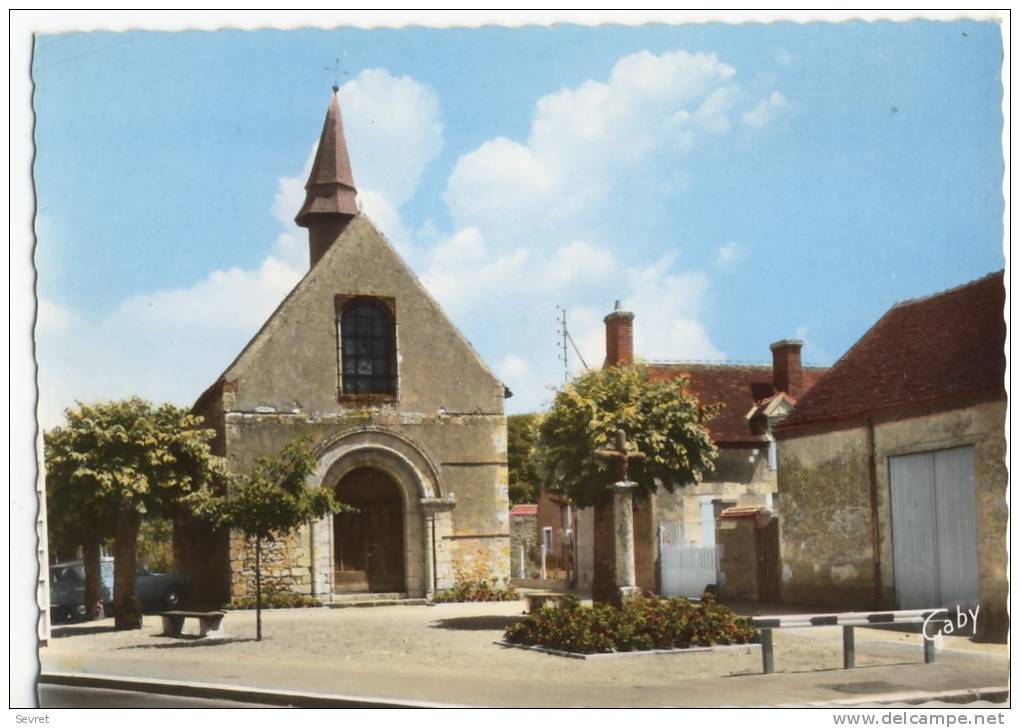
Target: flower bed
(645, 623)
(476, 591)
(276, 600)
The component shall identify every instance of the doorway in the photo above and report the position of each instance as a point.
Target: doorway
(934, 529)
(368, 544)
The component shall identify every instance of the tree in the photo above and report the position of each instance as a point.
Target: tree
(114, 462)
(523, 475)
(77, 516)
(661, 418)
(269, 501)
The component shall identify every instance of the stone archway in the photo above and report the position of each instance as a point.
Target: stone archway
(426, 519)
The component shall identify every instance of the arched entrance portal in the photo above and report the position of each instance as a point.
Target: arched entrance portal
(369, 544)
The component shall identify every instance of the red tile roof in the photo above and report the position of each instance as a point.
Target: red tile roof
(737, 387)
(943, 348)
(524, 510)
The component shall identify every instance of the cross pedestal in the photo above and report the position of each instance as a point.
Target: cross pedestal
(625, 575)
(623, 517)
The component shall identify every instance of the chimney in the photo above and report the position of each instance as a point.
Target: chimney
(787, 376)
(619, 337)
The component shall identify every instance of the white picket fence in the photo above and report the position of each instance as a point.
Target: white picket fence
(684, 570)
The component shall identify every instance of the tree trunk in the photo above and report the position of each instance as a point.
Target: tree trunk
(127, 610)
(93, 577)
(258, 589)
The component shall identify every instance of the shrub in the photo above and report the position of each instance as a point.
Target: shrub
(644, 623)
(276, 600)
(476, 591)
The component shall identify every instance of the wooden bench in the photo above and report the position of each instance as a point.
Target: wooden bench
(208, 622)
(846, 620)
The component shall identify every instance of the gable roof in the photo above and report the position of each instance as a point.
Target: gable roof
(361, 223)
(944, 348)
(737, 387)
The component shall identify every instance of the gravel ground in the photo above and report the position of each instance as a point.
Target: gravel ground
(446, 653)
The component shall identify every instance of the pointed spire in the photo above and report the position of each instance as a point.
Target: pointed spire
(330, 185)
(330, 198)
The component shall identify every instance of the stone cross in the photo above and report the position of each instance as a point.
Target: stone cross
(623, 514)
(621, 456)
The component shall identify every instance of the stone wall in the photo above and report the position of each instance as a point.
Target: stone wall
(824, 519)
(737, 542)
(523, 535)
(447, 412)
(824, 507)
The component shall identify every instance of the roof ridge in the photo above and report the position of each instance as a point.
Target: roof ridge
(722, 362)
(954, 289)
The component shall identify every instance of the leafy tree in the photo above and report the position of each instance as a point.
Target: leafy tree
(77, 517)
(524, 477)
(661, 418)
(269, 501)
(114, 462)
(155, 544)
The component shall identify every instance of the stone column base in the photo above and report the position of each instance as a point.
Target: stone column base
(628, 593)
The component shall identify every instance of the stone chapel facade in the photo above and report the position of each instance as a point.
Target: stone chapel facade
(406, 420)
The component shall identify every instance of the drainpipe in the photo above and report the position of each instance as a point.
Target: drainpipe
(873, 497)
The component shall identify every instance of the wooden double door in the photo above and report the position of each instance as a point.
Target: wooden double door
(369, 542)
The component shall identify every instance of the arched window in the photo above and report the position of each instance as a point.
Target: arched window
(368, 350)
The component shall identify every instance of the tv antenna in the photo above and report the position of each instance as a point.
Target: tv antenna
(564, 335)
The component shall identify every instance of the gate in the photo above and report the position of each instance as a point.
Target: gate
(934, 529)
(768, 561)
(684, 570)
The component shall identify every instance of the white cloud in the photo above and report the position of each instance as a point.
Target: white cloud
(559, 199)
(578, 262)
(765, 111)
(586, 141)
(393, 131)
(171, 344)
(52, 318)
(513, 367)
(730, 254)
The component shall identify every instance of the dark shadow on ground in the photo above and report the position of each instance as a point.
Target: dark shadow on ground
(80, 630)
(476, 623)
(189, 641)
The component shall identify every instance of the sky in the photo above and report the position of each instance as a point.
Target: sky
(732, 185)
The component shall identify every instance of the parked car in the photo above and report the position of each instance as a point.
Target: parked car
(156, 591)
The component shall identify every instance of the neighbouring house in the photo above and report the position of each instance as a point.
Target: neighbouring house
(523, 539)
(543, 529)
(556, 533)
(892, 469)
(676, 533)
(406, 420)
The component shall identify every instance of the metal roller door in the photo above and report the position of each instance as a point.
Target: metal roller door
(934, 519)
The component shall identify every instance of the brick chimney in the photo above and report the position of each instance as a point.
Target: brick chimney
(619, 337)
(787, 375)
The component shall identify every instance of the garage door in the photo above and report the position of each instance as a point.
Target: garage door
(934, 519)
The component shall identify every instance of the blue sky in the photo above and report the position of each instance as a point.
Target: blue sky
(731, 184)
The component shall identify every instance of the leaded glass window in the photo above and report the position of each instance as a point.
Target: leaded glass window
(367, 348)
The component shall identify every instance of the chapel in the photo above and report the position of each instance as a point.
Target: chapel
(406, 421)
